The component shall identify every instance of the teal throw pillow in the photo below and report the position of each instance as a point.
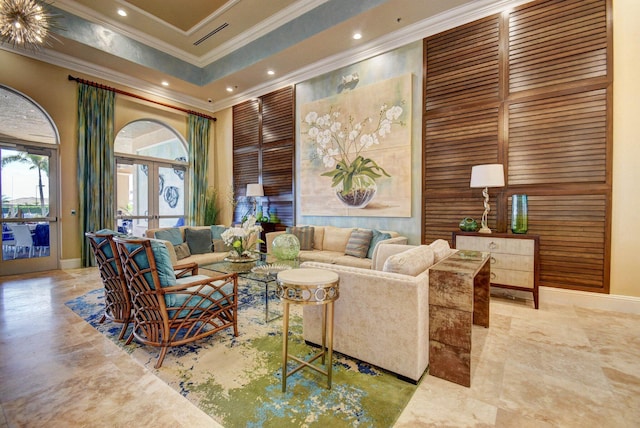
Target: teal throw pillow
(166, 275)
(304, 235)
(199, 240)
(377, 237)
(216, 231)
(172, 235)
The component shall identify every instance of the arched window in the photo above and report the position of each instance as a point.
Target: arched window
(28, 184)
(151, 177)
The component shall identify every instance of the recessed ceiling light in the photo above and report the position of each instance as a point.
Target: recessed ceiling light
(229, 89)
(357, 36)
(165, 83)
(122, 12)
(271, 72)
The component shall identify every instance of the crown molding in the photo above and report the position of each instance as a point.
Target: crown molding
(273, 22)
(427, 27)
(75, 65)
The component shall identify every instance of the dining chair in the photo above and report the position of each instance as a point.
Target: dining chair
(22, 239)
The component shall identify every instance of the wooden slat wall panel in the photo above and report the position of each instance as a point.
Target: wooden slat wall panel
(246, 124)
(277, 171)
(264, 151)
(550, 126)
(443, 215)
(554, 43)
(454, 143)
(463, 64)
(559, 139)
(277, 114)
(573, 236)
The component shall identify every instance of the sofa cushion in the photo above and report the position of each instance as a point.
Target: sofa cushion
(336, 238)
(199, 240)
(358, 244)
(304, 235)
(411, 262)
(440, 249)
(182, 251)
(172, 235)
(376, 237)
(318, 238)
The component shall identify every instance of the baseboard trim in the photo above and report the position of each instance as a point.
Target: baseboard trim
(606, 302)
(70, 264)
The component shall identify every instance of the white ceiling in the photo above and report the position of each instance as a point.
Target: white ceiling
(242, 40)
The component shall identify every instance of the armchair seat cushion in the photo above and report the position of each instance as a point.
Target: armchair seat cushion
(176, 300)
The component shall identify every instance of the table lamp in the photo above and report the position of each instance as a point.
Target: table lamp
(254, 190)
(488, 175)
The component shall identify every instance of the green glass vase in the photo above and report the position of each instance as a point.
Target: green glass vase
(519, 214)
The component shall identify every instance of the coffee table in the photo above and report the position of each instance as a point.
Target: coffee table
(244, 270)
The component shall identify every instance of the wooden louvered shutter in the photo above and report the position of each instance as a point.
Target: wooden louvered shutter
(462, 94)
(278, 155)
(263, 151)
(549, 123)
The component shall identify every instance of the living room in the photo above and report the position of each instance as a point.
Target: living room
(48, 85)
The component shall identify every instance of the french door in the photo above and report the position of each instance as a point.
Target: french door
(29, 189)
(150, 193)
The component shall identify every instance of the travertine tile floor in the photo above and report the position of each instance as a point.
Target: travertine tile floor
(558, 366)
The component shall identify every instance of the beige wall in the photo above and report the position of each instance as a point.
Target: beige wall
(625, 242)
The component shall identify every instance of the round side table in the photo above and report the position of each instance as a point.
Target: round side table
(306, 286)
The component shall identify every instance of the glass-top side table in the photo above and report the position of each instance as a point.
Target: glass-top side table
(257, 271)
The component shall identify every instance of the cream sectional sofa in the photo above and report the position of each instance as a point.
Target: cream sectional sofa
(217, 245)
(382, 314)
(329, 246)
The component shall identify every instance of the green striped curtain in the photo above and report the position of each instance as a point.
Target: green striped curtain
(96, 163)
(198, 139)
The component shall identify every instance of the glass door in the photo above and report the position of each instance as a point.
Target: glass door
(149, 194)
(28, 186)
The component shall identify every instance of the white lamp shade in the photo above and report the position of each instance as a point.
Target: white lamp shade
(489, 175)
(254, 189)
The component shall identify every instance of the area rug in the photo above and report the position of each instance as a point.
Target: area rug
(237, 380)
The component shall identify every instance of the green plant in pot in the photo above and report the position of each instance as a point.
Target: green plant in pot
(211, 209)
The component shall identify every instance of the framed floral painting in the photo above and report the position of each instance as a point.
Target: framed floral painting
(356, 152)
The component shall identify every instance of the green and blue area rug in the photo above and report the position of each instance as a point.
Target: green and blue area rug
(237, 380)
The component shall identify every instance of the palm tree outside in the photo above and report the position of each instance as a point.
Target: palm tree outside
(41, 163)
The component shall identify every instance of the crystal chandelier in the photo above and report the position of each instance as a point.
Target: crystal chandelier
(24, 23)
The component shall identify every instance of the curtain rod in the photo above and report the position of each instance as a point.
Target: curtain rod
(129, 94)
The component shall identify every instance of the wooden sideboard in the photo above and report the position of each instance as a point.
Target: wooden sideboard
(514, 258)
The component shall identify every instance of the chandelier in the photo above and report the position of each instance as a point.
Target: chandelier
(24, 23)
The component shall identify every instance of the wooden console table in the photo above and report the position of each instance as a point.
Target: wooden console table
(458, 298)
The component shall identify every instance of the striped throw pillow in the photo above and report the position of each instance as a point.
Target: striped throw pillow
(358, 244)
(304, 235)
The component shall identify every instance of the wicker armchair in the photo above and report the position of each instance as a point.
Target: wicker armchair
(172, 310)
(117, 304)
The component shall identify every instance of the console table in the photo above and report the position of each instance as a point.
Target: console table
(514, 258)
(458, 298)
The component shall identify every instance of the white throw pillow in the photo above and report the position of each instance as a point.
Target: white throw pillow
(440, 249)
(411, 262)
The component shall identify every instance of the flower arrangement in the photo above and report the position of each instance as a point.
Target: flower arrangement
(243, 240)
(340, 147)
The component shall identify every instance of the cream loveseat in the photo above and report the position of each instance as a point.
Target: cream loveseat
(175, 238)
(382, 314)
(329, 245)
